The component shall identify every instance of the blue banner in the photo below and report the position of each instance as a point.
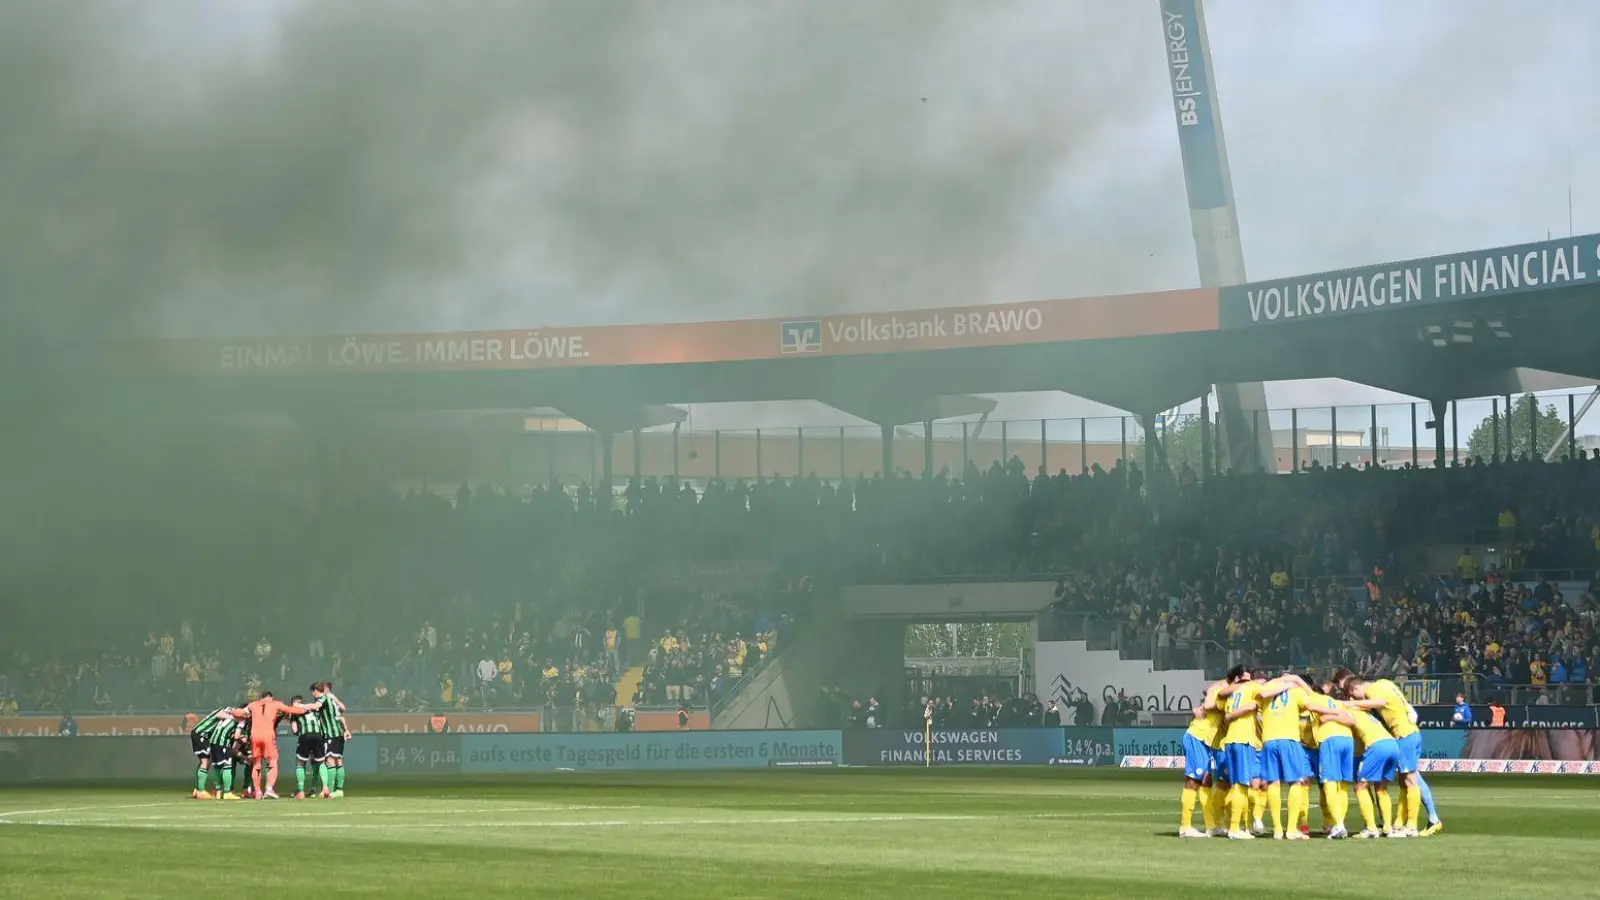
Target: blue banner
(1501, 271)
(1193, 103)
(1148, 742)
(954, 746)
(648, 751)
(414, 754)
(1084, 746)
(1442, 743)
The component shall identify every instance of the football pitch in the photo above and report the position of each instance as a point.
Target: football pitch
(855, 834)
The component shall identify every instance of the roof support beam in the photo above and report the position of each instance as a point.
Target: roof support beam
(894, 408)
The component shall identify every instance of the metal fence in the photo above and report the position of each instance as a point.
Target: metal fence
(516, 452)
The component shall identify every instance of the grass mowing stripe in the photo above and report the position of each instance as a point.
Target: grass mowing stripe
(950, 834)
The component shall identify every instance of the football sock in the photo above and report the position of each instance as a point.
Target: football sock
(300, 779)
(200, 777)
(1386, 806)
(1274, 806)
(1204, 794)
(1186, 813)
(1299, 806)
(1427, 799)
(1364, 799)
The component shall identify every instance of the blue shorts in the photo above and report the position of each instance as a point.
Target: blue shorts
(1284, 762)
(1337, 760)
(1410, 754)
(1219, 765)
(1379, 763)
(1197, 760)
(1243, 763)
(1313, 762)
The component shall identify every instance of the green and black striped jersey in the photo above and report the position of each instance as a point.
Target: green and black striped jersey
(223, 730)
(311, 723)
(330, 718)
(205, 725)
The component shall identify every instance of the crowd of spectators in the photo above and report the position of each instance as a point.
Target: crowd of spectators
(489, 599)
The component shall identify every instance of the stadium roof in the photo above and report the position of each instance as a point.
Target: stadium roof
(1479, 323)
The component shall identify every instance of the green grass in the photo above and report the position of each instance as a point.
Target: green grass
(855, 834)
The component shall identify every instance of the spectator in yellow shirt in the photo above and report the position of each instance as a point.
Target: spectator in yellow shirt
(1467, 566)
(631, 629)
(1507, 521)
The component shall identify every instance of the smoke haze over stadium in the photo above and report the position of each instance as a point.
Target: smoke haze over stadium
(291, 167)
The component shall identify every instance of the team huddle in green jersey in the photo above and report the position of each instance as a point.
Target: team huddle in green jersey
(222, 745)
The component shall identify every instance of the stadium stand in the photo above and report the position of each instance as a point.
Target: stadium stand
(555, 601)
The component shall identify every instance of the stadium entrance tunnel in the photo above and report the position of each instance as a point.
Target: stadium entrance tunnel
(857, 645)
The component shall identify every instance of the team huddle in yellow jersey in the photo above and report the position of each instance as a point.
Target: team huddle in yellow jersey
(1254, 737)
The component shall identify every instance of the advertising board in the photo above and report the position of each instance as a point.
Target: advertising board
(954, 746)
(653, 751)
(1084, 746)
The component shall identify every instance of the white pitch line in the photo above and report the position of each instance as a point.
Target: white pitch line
(186, 823)
(4, 816)
(209, 816)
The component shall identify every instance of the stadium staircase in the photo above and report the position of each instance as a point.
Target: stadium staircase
(628, 685)
(829, 650)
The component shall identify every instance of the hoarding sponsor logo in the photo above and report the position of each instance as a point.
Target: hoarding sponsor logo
(1000, 746)
(933, 326)
(533, 347)
(1148, 741)
(1462, 276)
(1087, 747)
(801, 337)
(402, 753)
(1152, 762)
(1198, 139)
(1186, 88)
(684, 750)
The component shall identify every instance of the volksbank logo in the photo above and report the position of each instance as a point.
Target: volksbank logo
(801, 337)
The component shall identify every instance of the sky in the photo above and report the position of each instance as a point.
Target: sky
(247, 167)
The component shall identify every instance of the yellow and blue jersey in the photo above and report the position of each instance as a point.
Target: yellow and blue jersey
(1243, 730)
(1200, 740)
(1401, 720)
(1284, 759)
(1335, 742)
(1208, 728)
(1280, 716)
(1396, 711)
